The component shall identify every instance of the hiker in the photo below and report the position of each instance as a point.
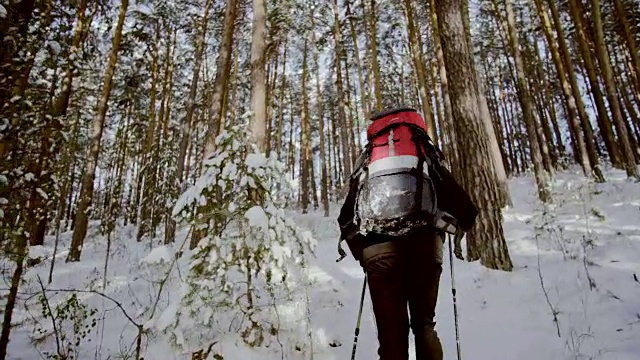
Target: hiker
(395, 224)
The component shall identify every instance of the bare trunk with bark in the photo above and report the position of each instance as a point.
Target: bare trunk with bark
(486, 240)
(415, 51)
(258, 76)
(603, 115)
(527, 106)
(86, 192)
(217, 111)
(610, 87)
(342, 116)
(185, 127)
(305, 130)
(373, 28)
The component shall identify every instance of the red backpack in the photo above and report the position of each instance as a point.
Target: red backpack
(395, 193)
(400, 184)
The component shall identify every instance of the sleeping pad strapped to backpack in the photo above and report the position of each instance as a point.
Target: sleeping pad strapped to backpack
(399, 184)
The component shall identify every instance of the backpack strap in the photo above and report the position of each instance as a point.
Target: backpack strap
(361, 166)
(416, 137)
(362, 162)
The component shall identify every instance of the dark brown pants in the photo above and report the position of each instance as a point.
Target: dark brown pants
(400, 272)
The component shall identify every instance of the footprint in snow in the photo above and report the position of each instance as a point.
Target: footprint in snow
(335, 343)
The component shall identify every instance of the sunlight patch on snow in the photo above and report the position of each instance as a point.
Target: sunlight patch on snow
(293, 311)
(321, 336)
(157, 255)
(38, 251)
(624, 203)
(355, 271)
(317, 274)
(165, 319)
(529, 248)
(513, 216)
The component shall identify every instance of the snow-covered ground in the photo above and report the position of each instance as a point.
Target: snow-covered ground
(585, 248)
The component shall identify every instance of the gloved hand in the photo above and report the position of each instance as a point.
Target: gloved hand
(457, 249)
(458, 252)
(341, 251)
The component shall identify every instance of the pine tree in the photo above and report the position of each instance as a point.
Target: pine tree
(486, 240)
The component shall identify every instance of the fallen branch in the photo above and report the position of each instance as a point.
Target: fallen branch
(554, 312)
(114, 301)
(53, 318)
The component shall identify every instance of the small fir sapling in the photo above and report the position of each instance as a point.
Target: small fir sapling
(250, 254)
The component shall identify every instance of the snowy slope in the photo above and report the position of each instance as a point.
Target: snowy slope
(591, 232)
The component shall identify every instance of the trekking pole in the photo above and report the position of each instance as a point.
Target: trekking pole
(453, 291)
(355, 339)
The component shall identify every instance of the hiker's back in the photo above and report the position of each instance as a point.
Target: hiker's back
(396, 194)
(400, 204)
(400, 185)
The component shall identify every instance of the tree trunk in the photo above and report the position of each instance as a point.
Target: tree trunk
(584, 147)
(603, 116)
(433, 81)
(610, 87)
(350, 117)
(324, 191)
(486, 240)
(258, 78)
(513, 162)
(497, 127)
(80, 32)
(271, 86)
(551, 100)
(373, 28)
(291, 159)
(629, 36)
(185, 127)
(335, 145)
(160, 212)
(503, 195)
(364, 96)
(67, 186)
(633, 114)
(86, 192)
(503, 186)
(21, 254)
(235, 99)
(217, 111)
(509, 126)
(418, 63)
(627, 107)
(342, 116)
(149, 146)
(451, 150)
(538, 83)
(305, 131)
(527, 106)
(283, 83)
